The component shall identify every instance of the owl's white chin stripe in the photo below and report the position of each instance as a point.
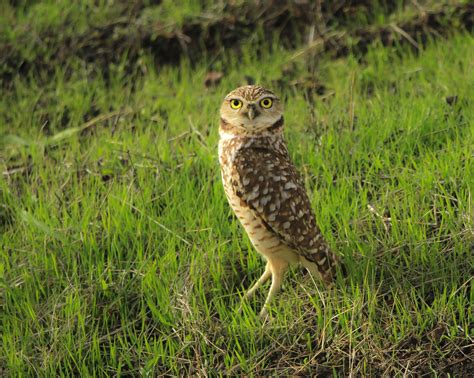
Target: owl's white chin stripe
(259, 123)
(226, 136)
(242, 125)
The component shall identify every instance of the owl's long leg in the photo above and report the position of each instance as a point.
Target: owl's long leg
(278, 269)
(264, 277)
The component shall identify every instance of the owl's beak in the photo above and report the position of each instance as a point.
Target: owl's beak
(252, 111)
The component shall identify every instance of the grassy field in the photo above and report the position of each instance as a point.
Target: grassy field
(120, 254)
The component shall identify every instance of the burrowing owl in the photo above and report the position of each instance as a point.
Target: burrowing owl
(265, 190)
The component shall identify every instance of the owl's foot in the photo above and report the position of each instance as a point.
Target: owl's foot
(264, 277)
(264, 315)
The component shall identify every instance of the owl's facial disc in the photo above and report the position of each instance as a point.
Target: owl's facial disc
(251, 109)
(252, 115)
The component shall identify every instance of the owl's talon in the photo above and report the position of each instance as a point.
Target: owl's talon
(264, 315)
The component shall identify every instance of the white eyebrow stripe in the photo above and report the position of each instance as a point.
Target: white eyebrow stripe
(234, 97)
(267, 96)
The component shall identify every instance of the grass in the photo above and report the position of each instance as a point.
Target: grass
(120, 255)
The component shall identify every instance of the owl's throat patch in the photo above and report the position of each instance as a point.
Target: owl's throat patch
(230, 128)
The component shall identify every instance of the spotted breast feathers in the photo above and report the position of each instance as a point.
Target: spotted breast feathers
(264, 177)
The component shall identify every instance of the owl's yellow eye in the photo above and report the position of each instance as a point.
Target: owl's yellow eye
(235, 104)
(266, 103)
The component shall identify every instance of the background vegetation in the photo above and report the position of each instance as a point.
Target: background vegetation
(119, 253)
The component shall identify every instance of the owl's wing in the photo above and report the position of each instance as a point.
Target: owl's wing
(271, 186)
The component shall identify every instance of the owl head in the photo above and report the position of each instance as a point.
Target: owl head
(251, 109)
